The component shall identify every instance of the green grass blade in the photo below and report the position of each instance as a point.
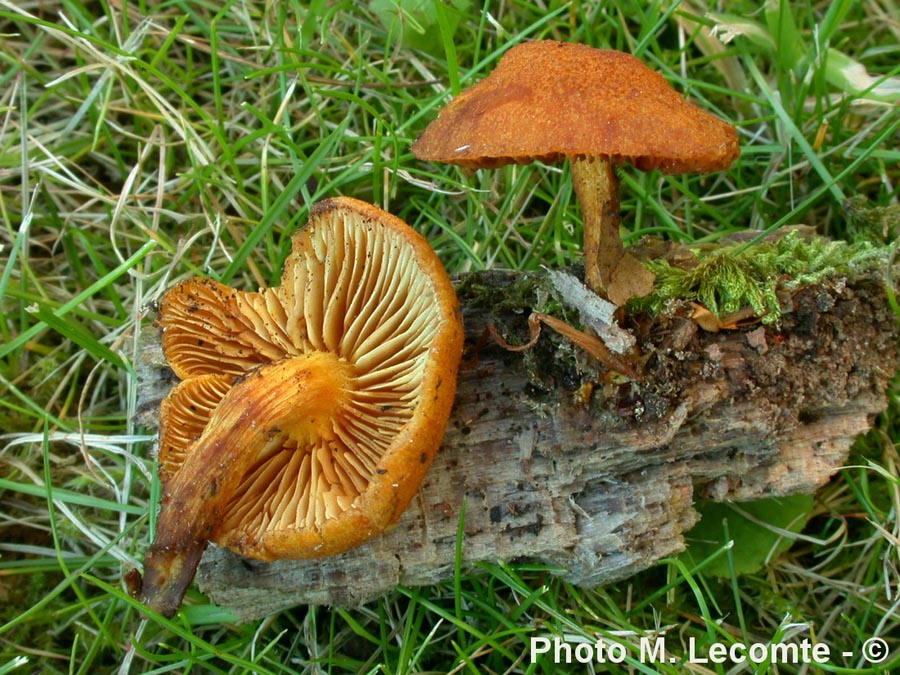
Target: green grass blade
(78, 299)
(283, 201)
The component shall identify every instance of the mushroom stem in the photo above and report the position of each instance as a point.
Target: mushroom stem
(297, 397)
(608, 270)
(597, 187)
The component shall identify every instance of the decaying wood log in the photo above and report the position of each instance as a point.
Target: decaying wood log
(600, 483)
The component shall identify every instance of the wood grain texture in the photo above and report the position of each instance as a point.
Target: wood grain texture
(601, 487)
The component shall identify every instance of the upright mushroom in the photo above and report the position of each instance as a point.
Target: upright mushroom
(307, 414)
(548, 100)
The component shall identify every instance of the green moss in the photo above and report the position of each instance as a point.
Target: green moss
(737, 276)
(872, 222)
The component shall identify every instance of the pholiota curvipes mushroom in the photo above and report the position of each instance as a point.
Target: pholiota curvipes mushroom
(307, 414)
(547, 101)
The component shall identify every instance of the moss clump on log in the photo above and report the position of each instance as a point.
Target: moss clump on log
(731, 278)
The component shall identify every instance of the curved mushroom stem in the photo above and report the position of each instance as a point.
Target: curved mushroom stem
(608, 270)
(167, 574)
(296, 397)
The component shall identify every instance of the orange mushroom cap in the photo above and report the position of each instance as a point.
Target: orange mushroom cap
(308, 413)
(548, 100)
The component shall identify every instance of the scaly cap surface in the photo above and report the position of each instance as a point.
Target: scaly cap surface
(548, 100)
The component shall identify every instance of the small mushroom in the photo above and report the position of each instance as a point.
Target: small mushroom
(549, 100)
(307, 414)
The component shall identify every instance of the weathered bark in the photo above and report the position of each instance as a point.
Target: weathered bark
(602, 486)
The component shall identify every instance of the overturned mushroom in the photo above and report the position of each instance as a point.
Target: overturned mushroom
(308, 413)
(549, 100)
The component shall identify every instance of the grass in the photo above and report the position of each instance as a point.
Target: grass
(144, 142)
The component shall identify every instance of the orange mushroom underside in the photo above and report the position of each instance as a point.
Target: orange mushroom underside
(308, 413)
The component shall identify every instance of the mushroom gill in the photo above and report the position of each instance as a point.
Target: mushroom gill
(356, 295)
(309, 412)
